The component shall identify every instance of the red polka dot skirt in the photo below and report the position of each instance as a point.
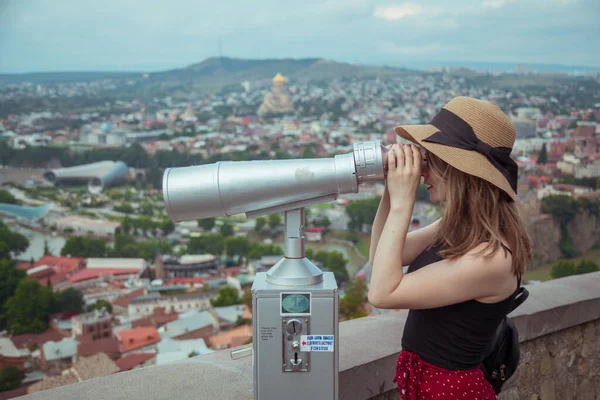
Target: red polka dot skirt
(420, 380)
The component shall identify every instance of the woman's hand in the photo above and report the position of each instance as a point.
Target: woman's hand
(403, 175)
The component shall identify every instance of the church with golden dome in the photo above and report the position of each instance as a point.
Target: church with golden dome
(277, 101)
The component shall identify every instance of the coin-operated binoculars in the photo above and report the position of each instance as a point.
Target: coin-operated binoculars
(295, 304)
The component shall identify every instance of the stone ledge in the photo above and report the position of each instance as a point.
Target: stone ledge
(369, 349)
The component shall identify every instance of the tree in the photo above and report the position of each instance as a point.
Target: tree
(361, 212)
(353, 302)
(325, 222)
(260, 224)
(10, 378)
(11, 242)
(167, 227)
(543, 156)
(70, 300)
(228, 296)
(10, 276)
(336, 263)
(47, 251)
(206, 224)
(28, 310)
(100, 304)
(247, 298)
(237, 246)
(586, 266)
(562, 268)
(7, 197)
(226, 229)
(80, 246)
(274, 220)
(208, 244)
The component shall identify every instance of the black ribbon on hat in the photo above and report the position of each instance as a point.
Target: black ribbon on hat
(456, 132)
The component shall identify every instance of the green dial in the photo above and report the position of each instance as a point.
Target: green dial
(295, 303)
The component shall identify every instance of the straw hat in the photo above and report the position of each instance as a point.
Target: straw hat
(474, 136)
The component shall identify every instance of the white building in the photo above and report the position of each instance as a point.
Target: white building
(82, 225)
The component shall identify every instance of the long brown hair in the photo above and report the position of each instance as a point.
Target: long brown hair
(477, 211)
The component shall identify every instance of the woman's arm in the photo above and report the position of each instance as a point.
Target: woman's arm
(378, 223)
(416, 241)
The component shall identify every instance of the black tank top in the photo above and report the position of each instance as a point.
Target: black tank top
(453, 337)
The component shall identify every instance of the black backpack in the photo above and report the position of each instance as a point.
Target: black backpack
(503, 354)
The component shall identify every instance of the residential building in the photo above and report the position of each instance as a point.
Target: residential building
(56, 356)
(189, 265)
(145, 305)
(231, 338)
(138, 340)
(92, 326)
(11, 355)
(170, 350)
(191, 325)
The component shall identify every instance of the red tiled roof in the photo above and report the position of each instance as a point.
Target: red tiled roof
(60, 263)
(109, 345)
(128, 362)
(584, 131)
(123, 301)
(11, 394)
(147, 321)
(85, 274)
(21, 341)
(131, 339)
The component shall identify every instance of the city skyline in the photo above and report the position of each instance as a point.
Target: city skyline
(128, 35)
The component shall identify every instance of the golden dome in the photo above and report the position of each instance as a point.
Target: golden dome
(279, 78)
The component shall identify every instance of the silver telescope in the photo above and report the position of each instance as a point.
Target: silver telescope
(264, 187)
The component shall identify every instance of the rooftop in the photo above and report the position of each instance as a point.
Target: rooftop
(93, 317)
(131, 339)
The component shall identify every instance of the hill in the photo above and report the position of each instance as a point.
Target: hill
(220, 71)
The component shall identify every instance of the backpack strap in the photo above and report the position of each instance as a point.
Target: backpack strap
(522, 295)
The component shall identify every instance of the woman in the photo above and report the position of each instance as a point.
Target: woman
(465, 268)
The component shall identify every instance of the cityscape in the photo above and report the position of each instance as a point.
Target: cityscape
(97, 281)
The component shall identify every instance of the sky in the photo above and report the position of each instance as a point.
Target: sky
(152, 35)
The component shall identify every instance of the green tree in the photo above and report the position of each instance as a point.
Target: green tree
(237, 246)
(247, 298)
(562, 268)
(227, 296)
(70, 300)
(47, 251)
(543, 156)
(167, 226)
(10, 378)
(7, 197)
(226, 229)
(260, 224)
(207, 244)
(586, 266)
(206, 224)
(353, 302)
(325, 222)
(100, 304)
(80, 246)
(10, 277)
(11, 242)
(28, 310)
(274, 220)
(361, 212)
(336, 263)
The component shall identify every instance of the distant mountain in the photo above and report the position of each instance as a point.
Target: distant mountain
(75, 76)
(220, 71)
(224, 71)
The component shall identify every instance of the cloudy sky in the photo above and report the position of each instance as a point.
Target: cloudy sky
(149, 35)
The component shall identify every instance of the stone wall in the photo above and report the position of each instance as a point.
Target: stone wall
(559, 328)
(545, 235)
(562, 365)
